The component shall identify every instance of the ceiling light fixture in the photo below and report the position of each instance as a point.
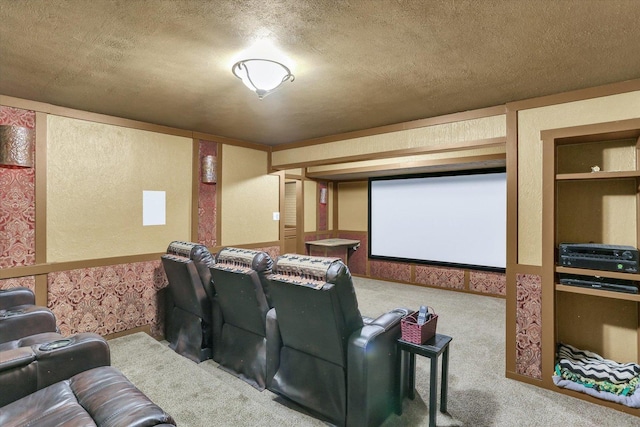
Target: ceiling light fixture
(262, 76)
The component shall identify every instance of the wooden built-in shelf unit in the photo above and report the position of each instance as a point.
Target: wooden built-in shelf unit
(581, 206)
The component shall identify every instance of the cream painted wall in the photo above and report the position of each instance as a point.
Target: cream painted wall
(96, 174)
(249, 197)
(310, 205)
(353, 205)
(429, 136)
(530, 123)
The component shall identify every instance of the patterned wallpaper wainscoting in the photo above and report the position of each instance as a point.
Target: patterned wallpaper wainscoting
(17, 201)
(488, 283)
(108, 299)
(438, 276)
(27, 282)
(386, 270)
(207, 200)
(528, 329)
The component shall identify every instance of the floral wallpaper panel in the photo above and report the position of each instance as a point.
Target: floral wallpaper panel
(528, 325)
(207, 200)
(17, 201)
(109, 299)
(488, 283)
(439, 276)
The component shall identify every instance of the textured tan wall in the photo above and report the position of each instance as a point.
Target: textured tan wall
(530, 123)
(353, 206)
(310, 205)
(249, 197)
(96, 174)
(430, 136)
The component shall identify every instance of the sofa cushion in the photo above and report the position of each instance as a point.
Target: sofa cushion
(99, 397)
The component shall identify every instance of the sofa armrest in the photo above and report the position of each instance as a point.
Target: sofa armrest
(374, 371)
(25, 320)
(16, 296)
(18, 374)
(75, 354)
(15, 358)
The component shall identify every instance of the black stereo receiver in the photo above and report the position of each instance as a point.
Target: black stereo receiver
(598, 256)
(596, 282)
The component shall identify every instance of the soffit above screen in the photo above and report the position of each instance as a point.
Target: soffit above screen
(410, 168)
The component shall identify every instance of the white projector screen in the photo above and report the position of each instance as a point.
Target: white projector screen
(456, 220)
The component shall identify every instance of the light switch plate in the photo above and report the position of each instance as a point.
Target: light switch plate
(276, 216)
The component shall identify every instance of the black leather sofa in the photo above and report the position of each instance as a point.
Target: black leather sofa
(331, 362)
(50, 380)
(240, 309)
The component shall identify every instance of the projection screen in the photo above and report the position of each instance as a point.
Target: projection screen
(449, 219)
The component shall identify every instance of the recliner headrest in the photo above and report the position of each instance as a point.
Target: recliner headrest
(200, 256)
(310, 271)
(193, 251)
(237, 258)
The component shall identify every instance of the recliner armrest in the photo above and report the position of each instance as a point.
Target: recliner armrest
(16, 296)
(374, 370)
(274, 344)
(389, 319)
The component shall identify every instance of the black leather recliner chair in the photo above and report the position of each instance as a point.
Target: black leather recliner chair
(331, 362)
(240, 309)
(20, 317)
(188, 316)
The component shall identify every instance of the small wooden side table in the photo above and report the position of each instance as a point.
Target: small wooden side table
(433, 348)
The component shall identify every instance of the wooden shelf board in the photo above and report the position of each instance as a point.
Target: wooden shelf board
(602, 402)
(599, 273)
(597, 292)
(597, 175)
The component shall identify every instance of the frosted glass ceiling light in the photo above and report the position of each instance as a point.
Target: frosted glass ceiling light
(262, 76)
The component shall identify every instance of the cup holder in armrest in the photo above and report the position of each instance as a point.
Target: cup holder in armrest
(53, 345)
(9, 313)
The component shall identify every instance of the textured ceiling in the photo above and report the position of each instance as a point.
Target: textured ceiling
(358, 64)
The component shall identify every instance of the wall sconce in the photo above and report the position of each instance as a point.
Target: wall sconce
(209, 175)
(16, 146)
(262, 76)
(323, 195)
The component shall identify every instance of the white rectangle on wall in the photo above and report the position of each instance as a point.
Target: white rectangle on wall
(154, 208)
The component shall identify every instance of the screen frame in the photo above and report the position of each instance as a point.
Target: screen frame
(465, 172)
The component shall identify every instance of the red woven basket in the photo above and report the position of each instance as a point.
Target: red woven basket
(418, 334)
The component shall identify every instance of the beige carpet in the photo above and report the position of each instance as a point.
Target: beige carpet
(479, 394)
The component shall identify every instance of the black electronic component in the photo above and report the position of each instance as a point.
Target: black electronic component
(597, 256)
